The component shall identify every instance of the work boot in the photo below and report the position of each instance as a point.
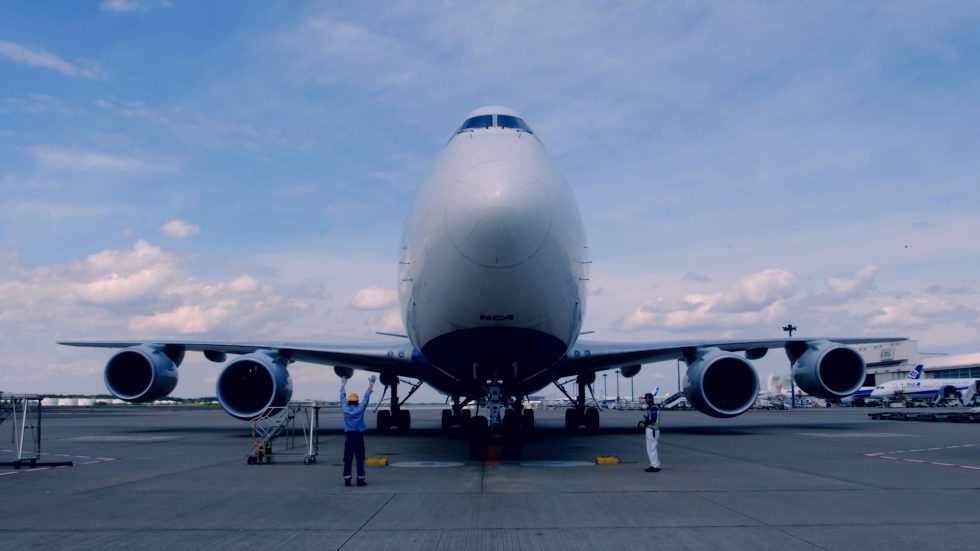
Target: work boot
(361, 482)
(346, 482)
(653, 469)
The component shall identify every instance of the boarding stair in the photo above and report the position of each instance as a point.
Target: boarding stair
(673, 400)
(24, 412)
(287, 423)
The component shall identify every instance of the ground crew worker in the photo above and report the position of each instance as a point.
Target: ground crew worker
(651, 422)
(354, 429)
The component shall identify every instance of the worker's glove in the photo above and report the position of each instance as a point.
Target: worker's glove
(372, 379)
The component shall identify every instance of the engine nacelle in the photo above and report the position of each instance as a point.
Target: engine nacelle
(142, 373)
(827, 370)
(630, 371)
(248, 386)
(343, 372)
(720, 384)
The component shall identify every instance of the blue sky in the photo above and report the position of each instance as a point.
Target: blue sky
(243, 170)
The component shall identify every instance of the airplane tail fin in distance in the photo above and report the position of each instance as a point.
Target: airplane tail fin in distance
(915, 374)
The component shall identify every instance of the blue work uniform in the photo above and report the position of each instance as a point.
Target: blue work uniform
(354, 429)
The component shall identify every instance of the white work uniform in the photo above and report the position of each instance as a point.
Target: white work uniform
(653, 436)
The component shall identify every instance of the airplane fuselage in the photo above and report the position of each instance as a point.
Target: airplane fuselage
(494, 264)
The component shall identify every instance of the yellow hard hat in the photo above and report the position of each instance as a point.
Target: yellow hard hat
(353, 397)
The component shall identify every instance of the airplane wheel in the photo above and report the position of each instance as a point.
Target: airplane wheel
(447, 419)
(511, 437)
(572, 420)
(404, 420)
(465, 416)
(527, 420)
(479, 438)
(384, 420)
(592, 420)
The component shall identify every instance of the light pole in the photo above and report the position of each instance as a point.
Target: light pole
(617, 389)
(604, 393)
(678, 375)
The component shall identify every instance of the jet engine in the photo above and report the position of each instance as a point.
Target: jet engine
(827, 370)
(719, 383)
(143, 373)
(248, 386)
(630, 371)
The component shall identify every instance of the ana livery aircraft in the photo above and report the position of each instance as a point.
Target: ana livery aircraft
(493, 275)
(917, 388)
(865, 391)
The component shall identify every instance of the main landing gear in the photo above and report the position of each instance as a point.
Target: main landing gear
(579, 415)
(457, 416)
(395, 416)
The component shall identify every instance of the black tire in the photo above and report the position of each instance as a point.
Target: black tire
(479, 438)
(447, 419)
(527, 420)
(511, 437)
(592, 420)
(465, 417)
(572, 421)
(404, 420)
(384, 420)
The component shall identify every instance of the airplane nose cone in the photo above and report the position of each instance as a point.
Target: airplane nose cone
(498, 215)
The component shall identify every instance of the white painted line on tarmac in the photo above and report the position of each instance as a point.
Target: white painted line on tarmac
(854, 434)
(881, 455)
(427, 464)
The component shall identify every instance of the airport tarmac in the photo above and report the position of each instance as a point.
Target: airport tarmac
(160, 478)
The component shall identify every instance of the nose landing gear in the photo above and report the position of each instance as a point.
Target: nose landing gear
(502, 428)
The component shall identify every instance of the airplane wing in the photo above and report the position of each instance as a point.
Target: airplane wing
(590, 356)
(394, 358)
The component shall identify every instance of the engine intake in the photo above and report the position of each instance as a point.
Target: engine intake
(720, 384)
(252, 384)
(827, 370)
(142, 373)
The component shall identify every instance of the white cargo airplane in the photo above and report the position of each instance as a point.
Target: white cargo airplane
(493, 278)
(916, 388)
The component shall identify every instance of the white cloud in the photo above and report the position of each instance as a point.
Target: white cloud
(40, 58)
(117, 277)
(392, 323)
(244, 285)
(861, 284)
(124, 6)
(67, 158)
(374, 298)
(179, 229)
(185, 319)
(916, 312)
(758, 291)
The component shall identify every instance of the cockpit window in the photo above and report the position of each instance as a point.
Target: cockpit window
(501, 121)
(507, 121)
(480, 121)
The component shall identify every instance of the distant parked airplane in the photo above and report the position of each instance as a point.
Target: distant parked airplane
(925, 389)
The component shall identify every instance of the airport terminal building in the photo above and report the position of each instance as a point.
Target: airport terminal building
(893, 360)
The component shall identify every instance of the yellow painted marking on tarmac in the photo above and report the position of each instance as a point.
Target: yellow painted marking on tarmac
(607, 460)
(377, 461)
